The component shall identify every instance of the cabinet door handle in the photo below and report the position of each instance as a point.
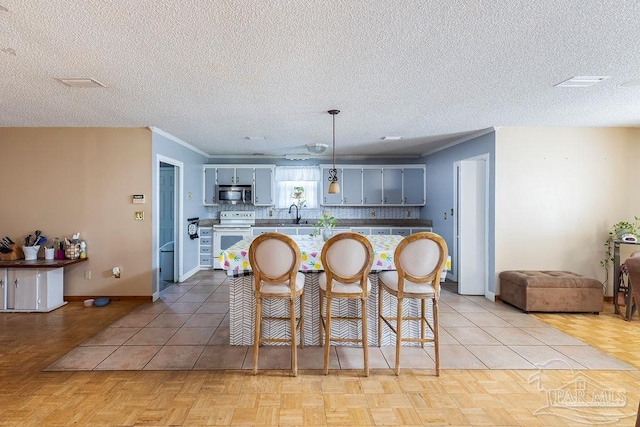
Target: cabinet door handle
(405, 199)
(325, 199)
(385, 199)
(365, 200)
(16, 283)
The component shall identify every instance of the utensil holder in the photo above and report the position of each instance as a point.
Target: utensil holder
(30, 252)
(72, 251)
(13, 255)
(49, 253)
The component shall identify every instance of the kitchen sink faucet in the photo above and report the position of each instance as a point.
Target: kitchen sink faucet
(297, 213)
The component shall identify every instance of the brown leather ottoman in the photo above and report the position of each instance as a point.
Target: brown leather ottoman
(551, 291)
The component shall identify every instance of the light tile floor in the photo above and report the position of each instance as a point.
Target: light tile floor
(188, 329)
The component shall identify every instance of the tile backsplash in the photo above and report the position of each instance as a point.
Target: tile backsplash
(372, 212)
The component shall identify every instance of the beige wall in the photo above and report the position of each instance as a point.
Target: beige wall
(558, 191)
(68, 180)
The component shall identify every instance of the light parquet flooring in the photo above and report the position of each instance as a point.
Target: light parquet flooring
(28, 396)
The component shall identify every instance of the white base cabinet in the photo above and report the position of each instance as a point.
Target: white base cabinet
(26, 289)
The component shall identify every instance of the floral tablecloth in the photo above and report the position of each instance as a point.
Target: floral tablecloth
(236, 258)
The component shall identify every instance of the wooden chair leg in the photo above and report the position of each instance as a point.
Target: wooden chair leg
(327, 338)
(398, 335)
(379, 314)
(321, 326)
(294, 347)
(423, 315)
(365, 337)
(436, 339)
(257, 334)
(301, 327)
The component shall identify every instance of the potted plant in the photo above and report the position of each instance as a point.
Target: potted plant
(324, 226)
(618, 230)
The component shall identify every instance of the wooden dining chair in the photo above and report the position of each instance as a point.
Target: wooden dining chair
(419, 260)
(347, 258)
(275, 260)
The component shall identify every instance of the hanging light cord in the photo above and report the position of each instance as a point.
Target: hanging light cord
(334, 140)
(333, 173)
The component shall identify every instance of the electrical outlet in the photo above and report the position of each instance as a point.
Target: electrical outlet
(270, 213)
(373, 214)
(139, 216)
(87, 275)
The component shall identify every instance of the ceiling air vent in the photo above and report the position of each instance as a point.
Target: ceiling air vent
(582, 81)
(80, 82)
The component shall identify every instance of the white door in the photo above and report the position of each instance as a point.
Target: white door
(470, 248)
(167, 203)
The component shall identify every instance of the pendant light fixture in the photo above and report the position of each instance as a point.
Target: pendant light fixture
(334, 187)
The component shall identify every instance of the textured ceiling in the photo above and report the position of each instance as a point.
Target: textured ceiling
(213, 73)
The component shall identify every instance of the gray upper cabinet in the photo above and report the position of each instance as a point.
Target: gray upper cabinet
(392, 186)
(232, 175)
(225, 176)
(351, 186)
(388, 185)
(372, 186)
(263, 189)
(209, 185)
(414, 186)
(331, 199)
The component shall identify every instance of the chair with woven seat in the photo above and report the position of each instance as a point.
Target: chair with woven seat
(347, 259)
(275, 259)
(419, 260)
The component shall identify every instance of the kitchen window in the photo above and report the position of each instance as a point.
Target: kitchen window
(297, 185)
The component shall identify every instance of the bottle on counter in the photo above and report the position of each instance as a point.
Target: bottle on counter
(83, 249)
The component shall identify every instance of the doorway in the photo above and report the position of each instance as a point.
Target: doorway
(167, 226)
(470, 258)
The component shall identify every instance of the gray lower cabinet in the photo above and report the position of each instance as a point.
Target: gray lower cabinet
(256, 231)
(400, 231)
(421, 229)
(365, 231)
(206, 247)
(380, 231)
(291, 231)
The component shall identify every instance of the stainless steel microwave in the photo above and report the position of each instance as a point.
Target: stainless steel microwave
(234, 194)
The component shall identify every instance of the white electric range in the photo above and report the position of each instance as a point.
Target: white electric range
(234, 226)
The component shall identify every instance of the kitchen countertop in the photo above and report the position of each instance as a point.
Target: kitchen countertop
(341, 223)
(40, 263)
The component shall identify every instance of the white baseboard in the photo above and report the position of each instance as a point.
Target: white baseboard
(155, 296)
(490, 296)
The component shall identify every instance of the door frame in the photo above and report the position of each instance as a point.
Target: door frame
(486, 157)
(178, 214)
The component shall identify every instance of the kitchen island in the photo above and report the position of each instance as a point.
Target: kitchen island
(235, 261)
